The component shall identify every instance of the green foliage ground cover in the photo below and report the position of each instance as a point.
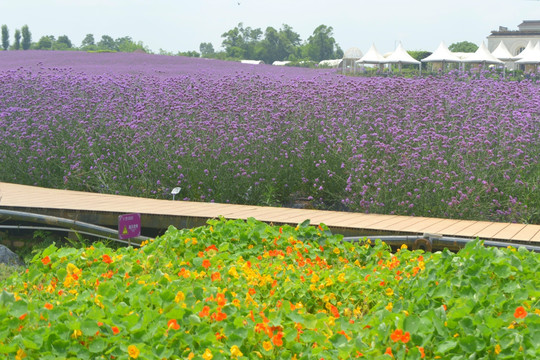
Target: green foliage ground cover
(247, 290)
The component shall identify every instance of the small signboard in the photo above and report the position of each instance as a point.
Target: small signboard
(129, 226)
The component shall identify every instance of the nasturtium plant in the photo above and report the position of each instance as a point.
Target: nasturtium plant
(248, 290)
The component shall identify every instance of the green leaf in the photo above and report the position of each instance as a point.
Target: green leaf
(445, 346)
(6, 298)
(89, 327)
(411, 324)
(97, 346)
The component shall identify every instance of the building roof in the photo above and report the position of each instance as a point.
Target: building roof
(526, 51)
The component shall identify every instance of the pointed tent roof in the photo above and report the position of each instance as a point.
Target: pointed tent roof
(372, 56)
(353, 53)
(482, 55)
(400, 56)
(533, 57)
(442, 54)
(524, 53)
(502, 52)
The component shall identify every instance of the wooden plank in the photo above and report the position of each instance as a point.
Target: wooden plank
(408, 225)
(527, 233)
(474, 229)
(508, 232)
(459, 225)
(491, 230)
(440, 226)
(536, 237)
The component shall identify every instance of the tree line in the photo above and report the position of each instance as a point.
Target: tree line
(23, 41)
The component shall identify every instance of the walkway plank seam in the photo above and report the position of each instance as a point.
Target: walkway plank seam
(28, 197)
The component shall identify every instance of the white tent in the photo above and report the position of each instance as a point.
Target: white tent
(532, 57)
(442, 54)
(400, 57)
(372, 57)
(502, 52)
(482, 56)
(528, 48)
(331, 63)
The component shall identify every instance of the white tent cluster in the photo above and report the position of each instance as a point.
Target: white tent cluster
(442, 55)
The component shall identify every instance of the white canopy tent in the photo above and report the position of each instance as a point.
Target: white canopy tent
(373, 56)
(528, 48)
(532, 58)
(442, 55)
(502, 53)
(400, 57)
(482, 56)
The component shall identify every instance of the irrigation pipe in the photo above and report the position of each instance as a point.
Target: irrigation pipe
(45, 228)
(74, 225)
(428, 242)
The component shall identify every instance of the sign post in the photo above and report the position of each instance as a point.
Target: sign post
(129, 226)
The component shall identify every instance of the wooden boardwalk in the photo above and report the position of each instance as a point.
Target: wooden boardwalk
(37, 199)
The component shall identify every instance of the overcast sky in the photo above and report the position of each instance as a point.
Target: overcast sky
(179, 25)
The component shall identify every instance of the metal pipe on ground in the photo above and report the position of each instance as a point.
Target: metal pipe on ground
(75, 225)
(429, 242)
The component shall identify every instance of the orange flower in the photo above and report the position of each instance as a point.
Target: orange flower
(406, 337)
(173, 324)
(216, 276)
(267, 345)
(277, 339)
(107, 259)
(46, 260)
(205, 311)
(334, 310)
(221, 299)
(520, 312)
(219, 315)
(251, 291)
(396, 335)
(23, 316)
(389, 352)
(48, 306)
(211, 247)
(422, 353)
(115, 330)
(206, 263)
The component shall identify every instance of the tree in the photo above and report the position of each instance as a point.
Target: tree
(206, 49)
(463, 46)
(5, 37)
(322, 45)
(126, 44)
(189, 54)
(242, 42)
(88, 43)
(107, 43)
(64, 42)
(17, 44)
(45, 43)
(26, 37)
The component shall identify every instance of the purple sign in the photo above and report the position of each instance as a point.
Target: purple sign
(129, 226)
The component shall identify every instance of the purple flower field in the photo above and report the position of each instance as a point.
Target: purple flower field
(140, 125)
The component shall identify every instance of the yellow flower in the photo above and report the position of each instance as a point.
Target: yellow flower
(341, 277)
(180, 296)
(191, 356)
(267, 345)
(235, 351)
(337, 251)
(389, 292)
(389, 307)
(497, 349)
(20, 354)
(76, 333)
(133, 351)
(207, 355)
(314, 278)
(404, 247)
(233, 272)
